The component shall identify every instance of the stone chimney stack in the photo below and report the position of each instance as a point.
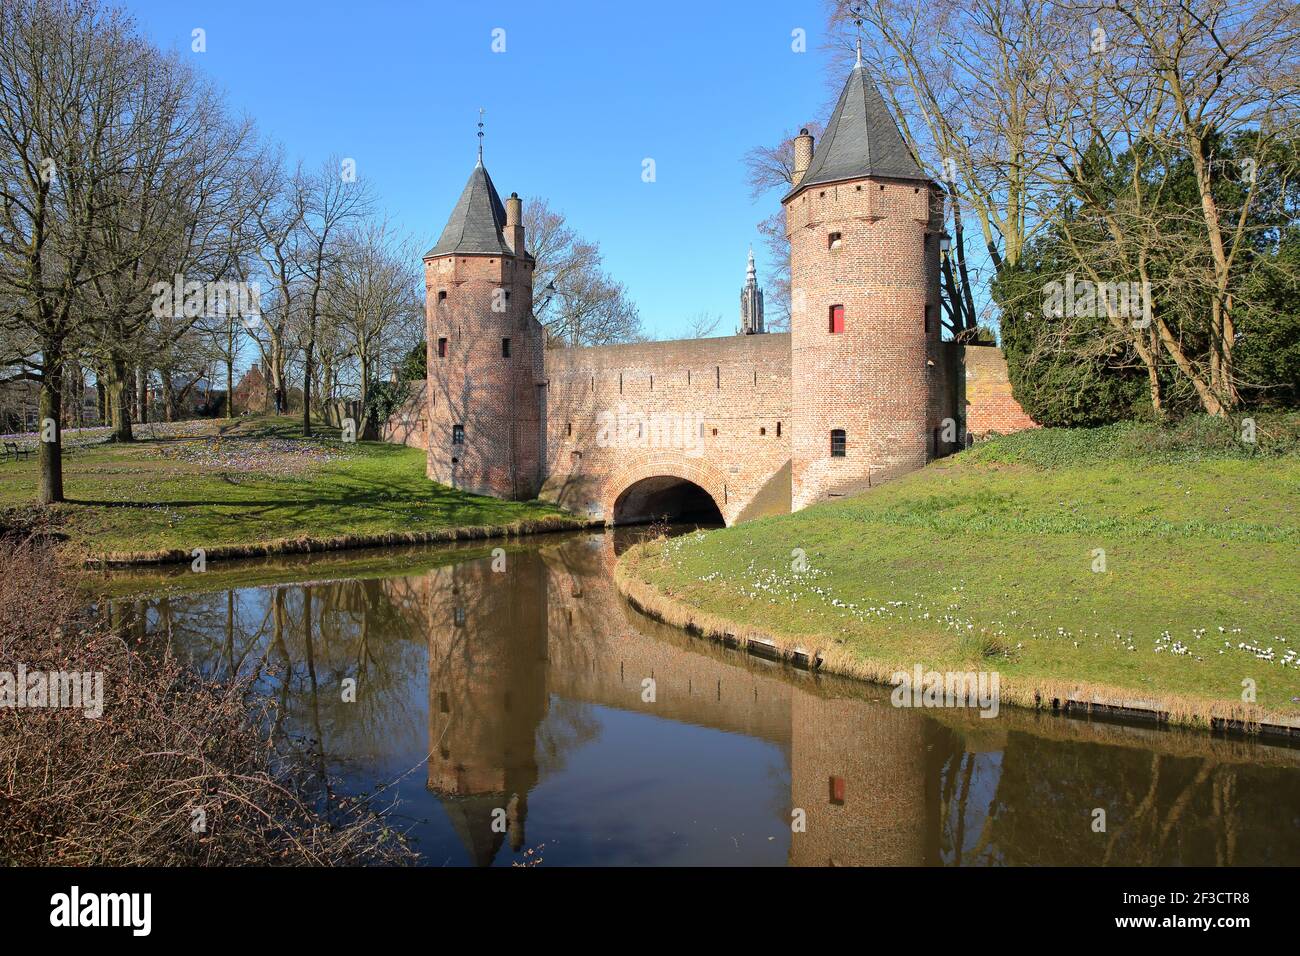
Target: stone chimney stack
(803, 153)
(514, 232)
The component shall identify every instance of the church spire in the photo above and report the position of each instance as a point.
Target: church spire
(751, 301)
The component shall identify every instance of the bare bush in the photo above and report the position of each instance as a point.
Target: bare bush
(172, 751)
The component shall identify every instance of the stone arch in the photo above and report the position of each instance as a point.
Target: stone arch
(660, 465)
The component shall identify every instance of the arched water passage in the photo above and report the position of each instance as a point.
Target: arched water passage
(666, 497)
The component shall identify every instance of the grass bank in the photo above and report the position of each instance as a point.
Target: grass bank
(992, 560)
(252, 487)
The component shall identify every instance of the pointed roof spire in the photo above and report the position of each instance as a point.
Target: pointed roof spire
(477, 221)
(861, 139)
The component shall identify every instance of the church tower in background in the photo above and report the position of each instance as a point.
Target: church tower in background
(751, 302)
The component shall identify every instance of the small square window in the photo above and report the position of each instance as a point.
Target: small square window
(838, 443)
(837, 319)
(834, 240)
(458, 434)
(442, 295)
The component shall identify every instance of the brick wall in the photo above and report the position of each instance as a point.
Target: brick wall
(409, 423)
(880, 379)
(990, 406)
(712, 411)
(496, 399)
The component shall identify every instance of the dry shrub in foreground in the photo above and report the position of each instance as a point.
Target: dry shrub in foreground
(124, 789)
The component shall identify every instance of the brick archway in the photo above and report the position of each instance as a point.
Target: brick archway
(659, 464)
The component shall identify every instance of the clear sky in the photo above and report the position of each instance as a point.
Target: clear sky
(583, 93)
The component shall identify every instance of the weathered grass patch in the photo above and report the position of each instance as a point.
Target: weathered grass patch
(159, 499)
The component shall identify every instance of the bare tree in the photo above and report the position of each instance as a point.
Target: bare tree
(701, 325)
(573, 296)
(331, 201)
(376, 299)
(69, 76)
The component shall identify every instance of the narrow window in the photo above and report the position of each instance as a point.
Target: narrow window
(444, 703)
(505, 348)
(568, 429)
(458, 434)
(762, 431)
(837, 791)
(442, 295)
(442, 348)
(717, 376)
(833, 240)
(778, 429)
(459, 617)
(927, 318)
(837, 442)
(715, 433)
(837, 319)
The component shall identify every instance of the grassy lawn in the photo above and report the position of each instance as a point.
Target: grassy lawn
(985, 561)
(247, 481)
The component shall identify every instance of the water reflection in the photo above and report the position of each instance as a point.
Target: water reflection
(505, 708)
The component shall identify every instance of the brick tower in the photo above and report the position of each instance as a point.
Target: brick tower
(863, 222)
(485, 348)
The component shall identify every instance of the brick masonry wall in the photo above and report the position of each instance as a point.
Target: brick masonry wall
(736, 389)
(990, 406)
(496, 399)
(409, 423)
(881, 379)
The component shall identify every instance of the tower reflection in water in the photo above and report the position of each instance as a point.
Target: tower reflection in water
(505, 679)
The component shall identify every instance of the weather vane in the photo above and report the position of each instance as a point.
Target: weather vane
(481, 111)
(857, 20)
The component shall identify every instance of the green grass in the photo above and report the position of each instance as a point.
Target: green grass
(985, 561)
(160, 494)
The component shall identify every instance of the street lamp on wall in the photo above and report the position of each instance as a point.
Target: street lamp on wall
(945, 243)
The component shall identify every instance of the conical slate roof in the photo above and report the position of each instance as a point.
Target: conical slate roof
(861, 139)
(476, 222)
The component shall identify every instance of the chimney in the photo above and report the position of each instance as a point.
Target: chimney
(515, 224)
(803, 152)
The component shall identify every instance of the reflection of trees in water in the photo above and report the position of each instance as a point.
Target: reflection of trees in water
(524, 658)
(363, 629)
(1160, 809)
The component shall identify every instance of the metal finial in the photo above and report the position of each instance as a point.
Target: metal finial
(857, 21)
(481, 111)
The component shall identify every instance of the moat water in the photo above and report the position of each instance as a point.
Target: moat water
(512, 708)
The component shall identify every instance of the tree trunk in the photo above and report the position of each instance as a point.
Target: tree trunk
(119, 402)
(50, 452)
(169, 397)
(142, 394)
(306, 389)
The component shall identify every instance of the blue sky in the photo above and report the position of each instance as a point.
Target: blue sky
(582, 94)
